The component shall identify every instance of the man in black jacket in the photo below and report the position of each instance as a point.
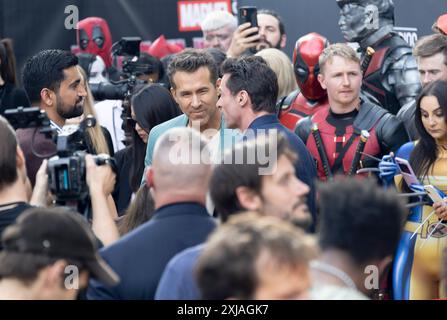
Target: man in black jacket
(179, 179)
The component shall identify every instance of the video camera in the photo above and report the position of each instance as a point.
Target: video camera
(66, 169)
(132, 68)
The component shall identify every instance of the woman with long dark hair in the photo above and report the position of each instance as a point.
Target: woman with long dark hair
(151, 105)
(417, 266)
(139, 211)
(11, 96)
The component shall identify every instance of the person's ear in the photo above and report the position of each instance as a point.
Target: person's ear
(150, 177)
(47, 96)
(218, 83)
(283, 41)
(321, 80)
(20, 158)
(54, 275)
(248, 199)
(174, 95)
(243, 98)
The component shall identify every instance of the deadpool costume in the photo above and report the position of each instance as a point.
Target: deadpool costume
(311, 97)
(335, 142)
(93, 36)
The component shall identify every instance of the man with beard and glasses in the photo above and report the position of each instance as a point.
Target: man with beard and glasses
(53, 83)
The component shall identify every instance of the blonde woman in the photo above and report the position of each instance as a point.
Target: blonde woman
(98, 139)
(282, 66)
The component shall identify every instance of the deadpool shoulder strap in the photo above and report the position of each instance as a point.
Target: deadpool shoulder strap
(286, 102)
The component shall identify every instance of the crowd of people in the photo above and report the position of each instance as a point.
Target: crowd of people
(229, 172)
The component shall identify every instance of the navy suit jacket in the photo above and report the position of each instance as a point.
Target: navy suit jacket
(305, 167)
(140, 257)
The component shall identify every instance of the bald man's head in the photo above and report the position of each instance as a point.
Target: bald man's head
(181, 163)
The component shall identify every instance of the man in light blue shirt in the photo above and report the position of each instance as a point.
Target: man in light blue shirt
(193, 74)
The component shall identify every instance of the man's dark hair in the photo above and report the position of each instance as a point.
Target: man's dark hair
(41, 236)
(25, 266)
(253, 75)
(229, 266)
(8, 148)
(231, 174)
(360, 218)
(430, 45)
(190, 61)
(45, 70)
(276, 15)
(219, 56)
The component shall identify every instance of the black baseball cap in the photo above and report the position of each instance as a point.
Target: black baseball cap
(58, 233)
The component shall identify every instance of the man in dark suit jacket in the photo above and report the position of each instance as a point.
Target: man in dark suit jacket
(248, 94)
(180, 220)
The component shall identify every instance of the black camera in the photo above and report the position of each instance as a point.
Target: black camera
(67, 169)
(32, 117)
(66, 175)
(106, 91)
(129, 47)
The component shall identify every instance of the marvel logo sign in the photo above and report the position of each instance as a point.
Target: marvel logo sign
(191, 13)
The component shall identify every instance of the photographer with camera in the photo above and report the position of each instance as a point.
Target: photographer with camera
(15, 188)
(138, 68)
(54, 84)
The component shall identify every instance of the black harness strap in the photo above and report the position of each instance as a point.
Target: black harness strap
(338, 162)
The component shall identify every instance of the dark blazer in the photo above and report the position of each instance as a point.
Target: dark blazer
(305, 166)
(140, 257)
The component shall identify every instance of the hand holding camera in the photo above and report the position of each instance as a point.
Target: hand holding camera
(100, 178)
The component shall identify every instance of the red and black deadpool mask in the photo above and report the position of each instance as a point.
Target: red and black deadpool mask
(305, 64)
(93, 36)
